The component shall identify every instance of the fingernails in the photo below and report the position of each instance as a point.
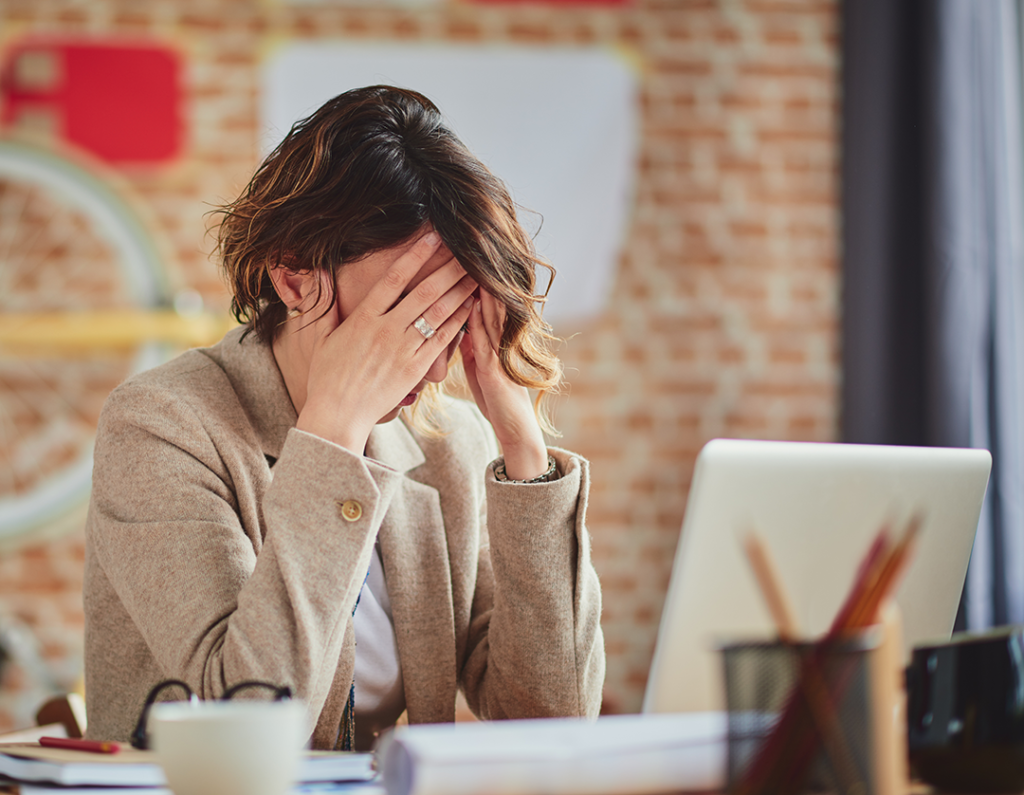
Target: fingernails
(432, 238)
(467, 303)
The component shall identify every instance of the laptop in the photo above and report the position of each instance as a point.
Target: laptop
(817, 507)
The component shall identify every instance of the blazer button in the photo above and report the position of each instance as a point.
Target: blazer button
(351, 510)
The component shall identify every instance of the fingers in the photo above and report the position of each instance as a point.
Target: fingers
(493, 318)
(438, 312)
(389, 290)
(424, 281)
(447, 331)
(435, 296)
(468, 348)
(483, 350)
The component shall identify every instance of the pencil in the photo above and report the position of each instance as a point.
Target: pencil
(874, 584)
(74, 744)
(810, 679)
(771, 587)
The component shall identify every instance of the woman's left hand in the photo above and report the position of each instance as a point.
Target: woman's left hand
(506, 405)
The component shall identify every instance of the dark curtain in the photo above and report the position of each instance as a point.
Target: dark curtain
(933, 275)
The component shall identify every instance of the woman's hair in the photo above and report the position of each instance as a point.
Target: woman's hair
(365, 172)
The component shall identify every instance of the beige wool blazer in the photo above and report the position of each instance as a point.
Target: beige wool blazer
(217, 551)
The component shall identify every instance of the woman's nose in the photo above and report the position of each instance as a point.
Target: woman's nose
(439, 369)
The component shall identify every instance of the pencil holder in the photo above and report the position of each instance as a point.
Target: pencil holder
(799, 717)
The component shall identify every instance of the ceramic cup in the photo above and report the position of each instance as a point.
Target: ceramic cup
(229, 747)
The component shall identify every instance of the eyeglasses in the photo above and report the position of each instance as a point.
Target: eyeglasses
(140, 737)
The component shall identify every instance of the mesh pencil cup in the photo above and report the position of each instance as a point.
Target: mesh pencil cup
(799, 717)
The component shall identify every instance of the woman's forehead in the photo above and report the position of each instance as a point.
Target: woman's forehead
(375, 264)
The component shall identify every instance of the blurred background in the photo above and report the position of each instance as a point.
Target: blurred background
(678, 159)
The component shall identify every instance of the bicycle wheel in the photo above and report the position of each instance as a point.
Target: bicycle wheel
(69, 241)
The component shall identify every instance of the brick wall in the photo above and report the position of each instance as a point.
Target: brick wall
(724, 316)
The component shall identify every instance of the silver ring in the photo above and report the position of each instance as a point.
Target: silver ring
(424, 328)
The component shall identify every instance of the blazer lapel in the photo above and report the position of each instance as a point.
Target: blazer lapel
(414, 550)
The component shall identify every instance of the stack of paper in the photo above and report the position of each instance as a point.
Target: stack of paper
(53, 770)
(636, 754)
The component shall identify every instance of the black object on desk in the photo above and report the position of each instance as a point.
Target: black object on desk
(965, 712)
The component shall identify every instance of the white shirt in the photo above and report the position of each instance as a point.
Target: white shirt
(380, 696)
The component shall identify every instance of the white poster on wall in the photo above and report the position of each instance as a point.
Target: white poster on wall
(558, 125)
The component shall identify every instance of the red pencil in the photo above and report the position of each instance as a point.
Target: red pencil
(92, 746)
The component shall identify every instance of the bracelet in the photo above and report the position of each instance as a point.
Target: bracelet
(551, 474)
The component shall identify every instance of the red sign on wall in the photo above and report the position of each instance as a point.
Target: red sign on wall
(120, 101)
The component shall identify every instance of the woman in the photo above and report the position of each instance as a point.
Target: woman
(257, 508)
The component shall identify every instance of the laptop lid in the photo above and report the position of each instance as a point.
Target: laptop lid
(817, 507)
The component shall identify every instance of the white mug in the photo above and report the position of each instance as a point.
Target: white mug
(229, 747)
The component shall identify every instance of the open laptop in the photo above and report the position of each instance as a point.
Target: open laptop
(817, 507)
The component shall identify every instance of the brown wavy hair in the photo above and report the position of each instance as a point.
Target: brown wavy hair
(367, 171)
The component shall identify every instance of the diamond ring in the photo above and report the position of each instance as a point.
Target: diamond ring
(424, 328)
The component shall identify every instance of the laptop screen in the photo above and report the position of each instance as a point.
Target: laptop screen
(817, 507)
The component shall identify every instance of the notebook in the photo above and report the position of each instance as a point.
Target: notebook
(29, 762)
(817, 507)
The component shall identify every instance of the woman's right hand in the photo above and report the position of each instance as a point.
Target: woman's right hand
(361, 367)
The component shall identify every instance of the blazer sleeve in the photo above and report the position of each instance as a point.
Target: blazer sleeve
(536, 648)
(165, 525)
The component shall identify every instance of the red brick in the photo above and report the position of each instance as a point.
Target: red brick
(465, 29)
(127, 20)
(66, 16)
(798, 8)
(683, 67)
(209, 22)
(726, 36)
(406, 27)
(356, 26)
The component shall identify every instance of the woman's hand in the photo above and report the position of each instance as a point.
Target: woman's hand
(506, 405)
(363, 367)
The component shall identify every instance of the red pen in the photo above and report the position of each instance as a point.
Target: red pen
(92, 746)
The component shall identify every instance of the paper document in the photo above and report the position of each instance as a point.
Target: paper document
(636, 754)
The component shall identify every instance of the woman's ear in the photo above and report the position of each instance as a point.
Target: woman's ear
(292, 286)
